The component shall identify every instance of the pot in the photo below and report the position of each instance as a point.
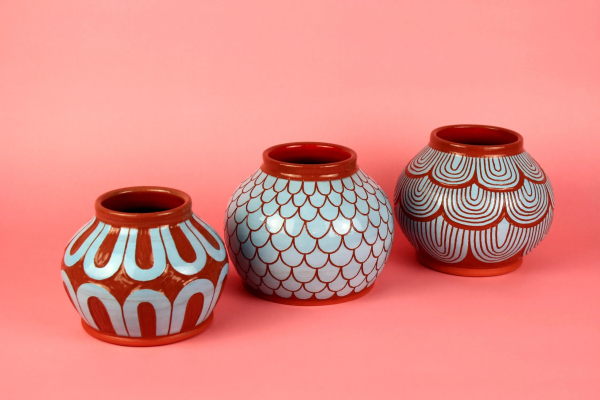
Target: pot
(309, 227)
(474, 202)
(145, 270)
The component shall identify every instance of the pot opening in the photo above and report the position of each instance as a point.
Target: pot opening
(309, 154)
(477, 135)
(142, 202)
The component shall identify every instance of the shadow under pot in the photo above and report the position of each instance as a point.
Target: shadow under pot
(474, 202)
(309, 227)
(145, 271)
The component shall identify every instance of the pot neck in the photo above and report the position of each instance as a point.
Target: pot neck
(309, 161)
(476, 141)
(143, 206)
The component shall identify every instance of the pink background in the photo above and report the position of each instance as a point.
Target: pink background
(101, 95)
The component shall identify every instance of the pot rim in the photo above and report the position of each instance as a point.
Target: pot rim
(282, 161)
(502, 142)
(170, 215)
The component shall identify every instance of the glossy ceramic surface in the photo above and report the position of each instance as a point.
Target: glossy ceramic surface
(309, 227)
(145, 270)
(474, 202)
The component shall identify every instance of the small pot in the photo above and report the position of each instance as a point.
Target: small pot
(145, 271)
(309, 227)
(474, 202)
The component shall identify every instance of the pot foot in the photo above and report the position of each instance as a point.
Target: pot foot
(460, 270)
(146, 342)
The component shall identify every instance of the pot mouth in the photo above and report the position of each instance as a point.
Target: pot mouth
(309, 161)
(476, 140)
(143, 206)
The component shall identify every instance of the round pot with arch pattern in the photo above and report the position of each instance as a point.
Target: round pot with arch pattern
(474, 202)
(309, 227)
(145, 271)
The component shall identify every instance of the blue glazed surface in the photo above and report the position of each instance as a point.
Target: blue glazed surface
(309, 240)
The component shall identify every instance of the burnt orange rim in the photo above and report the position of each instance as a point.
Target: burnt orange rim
(141, 342)
(476, 141)
(309, 161)
(309, 302)
(143, 206)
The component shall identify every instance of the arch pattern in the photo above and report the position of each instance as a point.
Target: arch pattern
(169, 316)
(101, 262)
(494, 208)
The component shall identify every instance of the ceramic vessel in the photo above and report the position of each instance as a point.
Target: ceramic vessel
(474, 202)
(145, 270)
(309, 227)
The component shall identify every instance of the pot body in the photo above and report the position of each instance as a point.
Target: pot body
(473, 209)
(308, 237)
(144, 278)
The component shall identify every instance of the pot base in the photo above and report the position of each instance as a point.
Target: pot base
(454, 269)
(308, 302)
(146, 342)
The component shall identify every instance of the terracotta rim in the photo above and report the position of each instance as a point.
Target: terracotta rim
(309, 161)
(476, 140)
(143, 206)
(309, 302)
(141, 342)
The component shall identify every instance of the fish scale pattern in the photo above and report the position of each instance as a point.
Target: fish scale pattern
(309, 239)
(488, 208)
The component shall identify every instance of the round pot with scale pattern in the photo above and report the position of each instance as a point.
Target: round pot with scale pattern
(309, 227)
(145, 271)
(474, 202)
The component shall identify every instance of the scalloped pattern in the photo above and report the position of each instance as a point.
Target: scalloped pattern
(451, 206)
(309, 240)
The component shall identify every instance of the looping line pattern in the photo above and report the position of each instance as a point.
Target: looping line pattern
(306, 239)
(494, 208)
(490, 173)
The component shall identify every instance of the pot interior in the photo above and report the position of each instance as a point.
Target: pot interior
(142, 202)
(477, 135)
(309, 154)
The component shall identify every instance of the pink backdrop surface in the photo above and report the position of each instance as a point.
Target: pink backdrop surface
(101, 95)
